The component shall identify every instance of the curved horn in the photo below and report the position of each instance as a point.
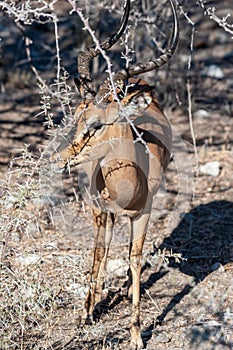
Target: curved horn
(140, 68)
(83, 82)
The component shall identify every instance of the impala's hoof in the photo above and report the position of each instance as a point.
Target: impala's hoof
(87, 319)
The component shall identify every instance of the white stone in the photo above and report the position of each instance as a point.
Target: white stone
(201, 113)
(210, 168)
(117, 267)
(30, 259)
(78, 290)
(213, 71)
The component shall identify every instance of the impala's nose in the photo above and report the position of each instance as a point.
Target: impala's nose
(57, 163)
(56, 168)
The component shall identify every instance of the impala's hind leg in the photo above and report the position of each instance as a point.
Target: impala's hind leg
(103, 226)
(138, 233)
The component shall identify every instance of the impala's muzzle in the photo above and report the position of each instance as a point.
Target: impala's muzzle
(58, 164)
(57, 169)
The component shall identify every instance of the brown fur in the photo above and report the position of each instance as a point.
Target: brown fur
(123, 176)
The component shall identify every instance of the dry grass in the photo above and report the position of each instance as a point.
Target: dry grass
(38, 280)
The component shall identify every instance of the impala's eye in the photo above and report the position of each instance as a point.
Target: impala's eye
(95, 125)
(92, 127)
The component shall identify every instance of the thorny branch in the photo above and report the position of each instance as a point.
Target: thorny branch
(222, 22)
(28, 14)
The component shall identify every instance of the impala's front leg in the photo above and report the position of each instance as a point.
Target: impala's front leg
(138, 233)
(103, 225)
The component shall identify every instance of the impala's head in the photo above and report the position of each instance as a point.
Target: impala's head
(98, 116)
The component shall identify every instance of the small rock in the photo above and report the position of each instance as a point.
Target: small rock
(79, 291)
(201, 114)
(31, 228)
(212, 323)
(30, 259)
(50, 246)
(162, 338)
(117, 267)
(213, 71)
(210, 168)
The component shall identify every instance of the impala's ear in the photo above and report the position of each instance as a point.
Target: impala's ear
(137, 102)
(89, 95)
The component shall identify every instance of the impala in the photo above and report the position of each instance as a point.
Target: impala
(124, 141)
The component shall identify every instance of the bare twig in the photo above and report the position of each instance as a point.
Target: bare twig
(188, 86)
(222, 22)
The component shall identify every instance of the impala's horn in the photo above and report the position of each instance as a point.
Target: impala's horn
(84, 80)
(140, 68)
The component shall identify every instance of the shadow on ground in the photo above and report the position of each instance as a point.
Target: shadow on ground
(205, 239)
